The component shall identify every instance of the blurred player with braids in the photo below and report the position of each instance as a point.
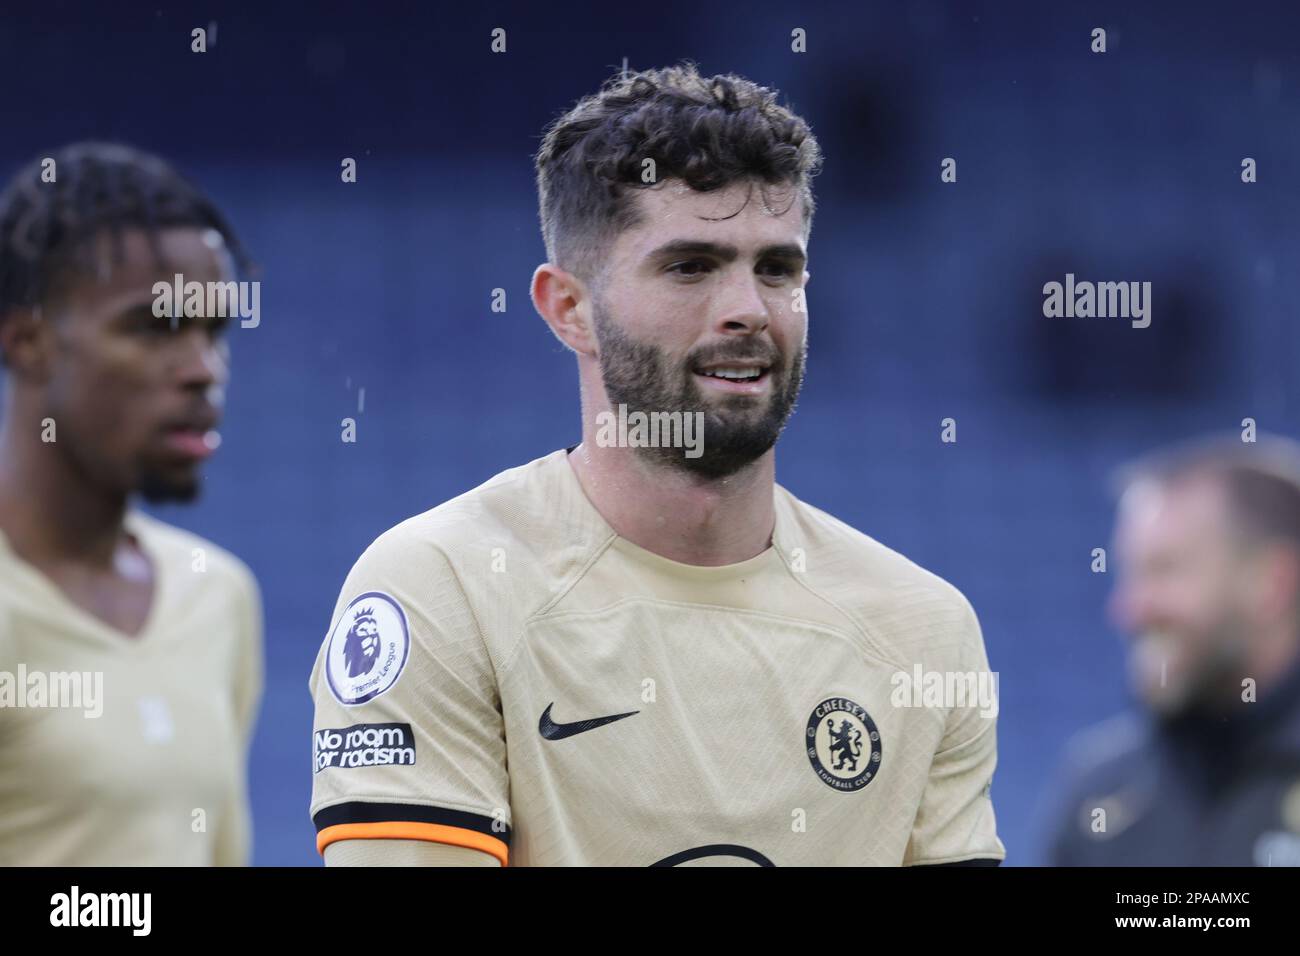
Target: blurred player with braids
(646, 652)
(130, 651)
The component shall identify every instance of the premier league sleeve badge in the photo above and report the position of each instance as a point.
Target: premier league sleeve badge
(368, 648)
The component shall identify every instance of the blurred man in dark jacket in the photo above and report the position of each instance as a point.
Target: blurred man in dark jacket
(1208, 548)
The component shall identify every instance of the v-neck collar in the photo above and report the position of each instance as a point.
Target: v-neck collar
(136, 525)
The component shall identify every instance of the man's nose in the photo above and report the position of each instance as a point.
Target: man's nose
(202, 362)
(742, 310)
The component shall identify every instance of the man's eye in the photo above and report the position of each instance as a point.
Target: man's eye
(167, 324)
(159, 324)
(684, 268)
(777, 270)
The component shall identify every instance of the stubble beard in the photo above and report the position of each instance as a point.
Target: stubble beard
(736, 433)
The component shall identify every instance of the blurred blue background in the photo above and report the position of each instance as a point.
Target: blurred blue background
(926, 300)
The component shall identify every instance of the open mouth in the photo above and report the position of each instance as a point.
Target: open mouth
(735, 378)
(193, 442)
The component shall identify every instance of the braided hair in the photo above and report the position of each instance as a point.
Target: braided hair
(47, 229)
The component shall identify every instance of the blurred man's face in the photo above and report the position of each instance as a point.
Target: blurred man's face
(136, 398)
(697, 314)
(1181, 593)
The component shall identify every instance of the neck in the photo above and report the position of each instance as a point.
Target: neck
(50, 510)
(675, 514)
(1275, 657)
(1273, 663)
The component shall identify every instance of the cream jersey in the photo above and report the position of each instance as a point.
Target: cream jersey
(506, 673)
(129, 750)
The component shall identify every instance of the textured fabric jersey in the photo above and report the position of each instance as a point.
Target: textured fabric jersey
(120, 750)
(504, 672)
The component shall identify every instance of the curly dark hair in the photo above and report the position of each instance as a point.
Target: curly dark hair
(47, 228)
(708, 132)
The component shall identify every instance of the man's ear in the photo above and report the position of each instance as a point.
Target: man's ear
(1277, 580)
(563, 300)
(25, 343)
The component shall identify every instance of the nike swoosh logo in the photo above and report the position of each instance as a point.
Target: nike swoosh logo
(553, 731)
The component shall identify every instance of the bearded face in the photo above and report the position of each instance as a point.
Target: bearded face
(739, 427)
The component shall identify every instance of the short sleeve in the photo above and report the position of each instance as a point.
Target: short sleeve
(955, 821)
(408, 738)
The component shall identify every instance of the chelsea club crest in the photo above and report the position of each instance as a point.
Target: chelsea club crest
(843, 744)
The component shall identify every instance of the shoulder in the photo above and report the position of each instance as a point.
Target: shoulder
(509, 508)
(1100, 767)
(181, 548)
(905, 608)
(1107, 749)
(502, 548)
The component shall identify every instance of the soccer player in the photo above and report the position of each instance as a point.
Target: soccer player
(621, 654)
(130, 651)
(1207, 773)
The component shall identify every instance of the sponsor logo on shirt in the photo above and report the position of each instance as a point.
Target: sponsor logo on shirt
(155, 719)
(843, 744)
(364, 745)
(552, 730)
(367, 649)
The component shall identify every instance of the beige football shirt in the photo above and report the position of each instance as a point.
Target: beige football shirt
(505, 673)
(129, 750)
